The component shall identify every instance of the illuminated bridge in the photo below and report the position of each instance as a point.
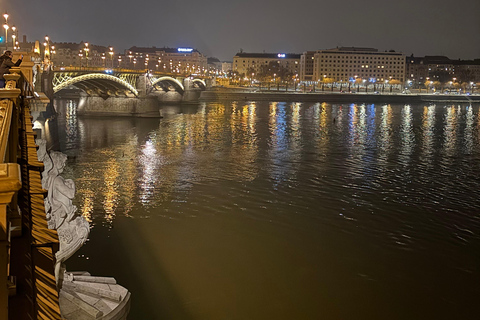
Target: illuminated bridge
(121, 82)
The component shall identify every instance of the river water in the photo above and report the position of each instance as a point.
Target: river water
(257, 210)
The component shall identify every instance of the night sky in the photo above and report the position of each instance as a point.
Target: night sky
(220, 28)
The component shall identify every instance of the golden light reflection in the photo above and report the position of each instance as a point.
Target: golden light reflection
(128, 168)
(450, 130)
(385, 135)
(407, 135)
(321, 116)
(87, 205)
(110, 179)
(428, 121)
(148, 160)
(468, 135)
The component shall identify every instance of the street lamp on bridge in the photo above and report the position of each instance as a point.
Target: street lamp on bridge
(80, 54)
(111, 54)
(46, 44)
(86, 50)
(14, 38)
(5, 26)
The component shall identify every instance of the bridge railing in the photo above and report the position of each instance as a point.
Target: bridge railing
(27, 246)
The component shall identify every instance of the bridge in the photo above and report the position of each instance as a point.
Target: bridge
(122, 82)
(121, 92)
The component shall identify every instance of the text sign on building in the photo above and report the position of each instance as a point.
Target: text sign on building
(185, 49)
(281, 55)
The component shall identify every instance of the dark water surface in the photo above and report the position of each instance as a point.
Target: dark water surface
(282, 211)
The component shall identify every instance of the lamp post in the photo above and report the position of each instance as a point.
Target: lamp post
(14, 37)
(103, 58)
(80, 54)
(86, 50)
(5, 26)
(46, 44)
(111, 54)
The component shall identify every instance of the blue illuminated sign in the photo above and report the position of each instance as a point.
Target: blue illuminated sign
(281, 55)
(185, 49)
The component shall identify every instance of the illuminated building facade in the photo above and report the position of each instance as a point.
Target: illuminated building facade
(183, 61)
(245, 63)
(442, 69)
(347, 63)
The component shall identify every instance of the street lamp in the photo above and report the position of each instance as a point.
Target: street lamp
(14, 38)
(111, 54)
(6, 29)
(46, 44)
(6, 35)
(52, 51)
(81, 56)
(86, 49)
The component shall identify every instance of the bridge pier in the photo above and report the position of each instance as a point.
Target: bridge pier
(146, 107)
(191, 93)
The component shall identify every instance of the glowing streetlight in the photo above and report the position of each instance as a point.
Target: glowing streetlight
(6, 35)
(46, 44)
(86, 50)
(14, 37)
(110, 52)
(80, 54)
(5, 16)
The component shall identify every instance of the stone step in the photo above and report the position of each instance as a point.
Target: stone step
(86, 307)
(89, 288)
(85, 278)
(79, 273)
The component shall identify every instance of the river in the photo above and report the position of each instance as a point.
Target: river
(258, 210)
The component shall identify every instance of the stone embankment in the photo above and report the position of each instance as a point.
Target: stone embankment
(334, 97)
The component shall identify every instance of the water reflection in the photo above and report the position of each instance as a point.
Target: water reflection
(468, 143)
(214, 189)
(428, 121)
(149, 161)
(450, 130)
(407, 136)
(385, 136)
(284, 144)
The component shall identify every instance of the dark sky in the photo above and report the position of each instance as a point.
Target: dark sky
(220, 28)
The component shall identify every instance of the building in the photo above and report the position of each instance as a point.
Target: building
(172, 60)
(307, 60)
(226, 66)
(349, 63)
(246, 63)
(441, 69)
(83, 54)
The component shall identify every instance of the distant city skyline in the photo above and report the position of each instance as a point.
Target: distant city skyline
(221, 29)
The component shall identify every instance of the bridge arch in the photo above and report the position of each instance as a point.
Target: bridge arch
(172, 81)
(200, 83)
(92, 78)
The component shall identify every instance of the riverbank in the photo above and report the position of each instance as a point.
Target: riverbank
(333, 97)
